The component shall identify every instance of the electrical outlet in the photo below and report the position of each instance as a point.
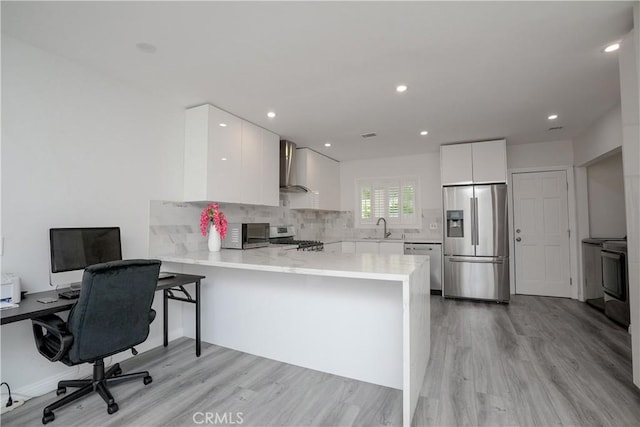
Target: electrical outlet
(5, 409)
(433, 226)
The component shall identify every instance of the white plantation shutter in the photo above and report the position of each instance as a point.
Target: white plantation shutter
(394, 199)
(409, 213)
(365, 203)
(379, 198)
(393, 203)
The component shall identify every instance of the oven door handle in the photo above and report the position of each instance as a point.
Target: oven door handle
(612, 254)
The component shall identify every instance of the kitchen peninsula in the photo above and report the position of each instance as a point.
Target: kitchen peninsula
(361, 316)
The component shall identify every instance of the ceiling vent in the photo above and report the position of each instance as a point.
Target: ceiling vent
(556, 128)
(369, 135)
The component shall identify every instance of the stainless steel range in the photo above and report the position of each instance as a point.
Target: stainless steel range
(615, 281)
(284, 235)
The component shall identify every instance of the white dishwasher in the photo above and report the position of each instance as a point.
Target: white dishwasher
(434, 250)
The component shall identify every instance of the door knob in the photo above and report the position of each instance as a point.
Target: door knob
(517, 230)
(518, 239)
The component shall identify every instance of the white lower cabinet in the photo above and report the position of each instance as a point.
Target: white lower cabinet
(333, 248)
(373, 247)
(367, 248)
(396, 248)
(348, 247)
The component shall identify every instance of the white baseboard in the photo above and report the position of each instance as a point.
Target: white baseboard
(50, 383)
(47, 384)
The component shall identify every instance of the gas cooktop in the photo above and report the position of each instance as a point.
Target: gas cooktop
(303, 245)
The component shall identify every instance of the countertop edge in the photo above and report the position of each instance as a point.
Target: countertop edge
(313, 271)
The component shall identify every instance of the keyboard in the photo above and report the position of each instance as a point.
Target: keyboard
(70, 294)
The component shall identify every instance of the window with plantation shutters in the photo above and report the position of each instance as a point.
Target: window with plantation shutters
(395, 199)
(365, 202)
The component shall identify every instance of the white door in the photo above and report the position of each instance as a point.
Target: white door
(541, 234)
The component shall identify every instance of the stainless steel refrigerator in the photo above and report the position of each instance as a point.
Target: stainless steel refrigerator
(476, 246)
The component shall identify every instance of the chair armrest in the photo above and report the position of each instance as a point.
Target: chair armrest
(57, 341)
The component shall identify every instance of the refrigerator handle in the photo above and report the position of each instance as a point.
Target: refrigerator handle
(475, 224)
(473, 221)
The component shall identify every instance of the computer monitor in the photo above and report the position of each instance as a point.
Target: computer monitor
(78, 248)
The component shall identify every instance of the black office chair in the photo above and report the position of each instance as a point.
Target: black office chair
(112, 314)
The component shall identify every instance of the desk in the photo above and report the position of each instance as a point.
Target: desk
(173, 285)
(30, 307)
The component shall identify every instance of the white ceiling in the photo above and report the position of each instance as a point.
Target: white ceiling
(475, 70)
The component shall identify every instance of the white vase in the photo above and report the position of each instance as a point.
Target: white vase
(214, 239)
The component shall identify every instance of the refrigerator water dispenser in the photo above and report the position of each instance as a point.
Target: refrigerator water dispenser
(455, 224)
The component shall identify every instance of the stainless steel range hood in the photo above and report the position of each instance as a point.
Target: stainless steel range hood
(288, 169)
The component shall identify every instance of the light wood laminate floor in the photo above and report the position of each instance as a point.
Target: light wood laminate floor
(537, 361)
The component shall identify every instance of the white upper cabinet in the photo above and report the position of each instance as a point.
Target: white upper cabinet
(251, 161)
(213, 154)
(456, 164)
(321, 175)
(489, 161)
(260, 180)
(270, 181)
(473, 163)
(228, 159)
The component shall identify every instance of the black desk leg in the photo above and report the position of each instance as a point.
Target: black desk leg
(165, 300)
(198, 338)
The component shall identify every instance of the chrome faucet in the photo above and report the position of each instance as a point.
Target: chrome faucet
(386, 234)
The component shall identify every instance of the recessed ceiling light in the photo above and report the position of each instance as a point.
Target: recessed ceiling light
(223, 125)
(223, 159)
(328, 144)
(146, 47)
(612, 47)
(271, 114)
(552, 117)
(423, 133)
(401, 88)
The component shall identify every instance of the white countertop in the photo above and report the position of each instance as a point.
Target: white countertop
(361, 266)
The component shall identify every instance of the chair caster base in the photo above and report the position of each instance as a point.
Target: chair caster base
(47, 417)
(147, 380)
(112, 409)
(61, 390)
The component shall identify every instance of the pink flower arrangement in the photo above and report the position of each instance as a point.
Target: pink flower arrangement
(212, 214)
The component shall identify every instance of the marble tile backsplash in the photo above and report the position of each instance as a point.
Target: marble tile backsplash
(174, 227)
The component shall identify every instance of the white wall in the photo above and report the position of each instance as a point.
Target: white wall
(605, 182)
(540, 154)
(602, 139)
(426, 166)
(599, 139)
(544, 156)
(629, 66)
(78, 149)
